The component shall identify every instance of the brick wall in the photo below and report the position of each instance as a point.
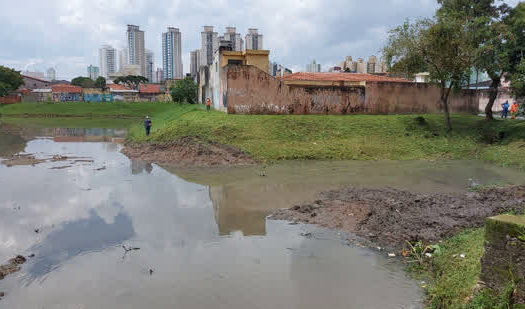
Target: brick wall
(252, 91)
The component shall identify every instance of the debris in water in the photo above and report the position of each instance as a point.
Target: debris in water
(391, 255)
(31, 255)
(150, 271)
(100, 168)
(130, 248)
(12, 266)
(307, 235)
(59, 167)
(2, 294)
(37, 231)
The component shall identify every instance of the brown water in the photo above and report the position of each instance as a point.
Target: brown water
(202, 232)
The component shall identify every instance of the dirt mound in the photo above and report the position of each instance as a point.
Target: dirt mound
(391, 217)
(188, 151)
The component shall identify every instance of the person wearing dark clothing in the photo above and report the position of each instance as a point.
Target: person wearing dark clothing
(147, 125)
(505, 111)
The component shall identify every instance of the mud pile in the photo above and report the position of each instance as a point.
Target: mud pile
(188, 151)
(12, 266)
(391, 217)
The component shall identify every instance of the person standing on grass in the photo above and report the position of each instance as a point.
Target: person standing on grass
(514, 110)
(505, 109)
(208, 104)
(147, 125)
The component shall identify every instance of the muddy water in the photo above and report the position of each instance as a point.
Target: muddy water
(203, 238)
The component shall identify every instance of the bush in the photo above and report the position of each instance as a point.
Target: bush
(184, 90)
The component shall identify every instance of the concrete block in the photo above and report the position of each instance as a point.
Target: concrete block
(504, 259)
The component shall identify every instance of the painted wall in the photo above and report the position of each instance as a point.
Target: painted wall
(252, 91)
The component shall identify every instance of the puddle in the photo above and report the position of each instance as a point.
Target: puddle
(203, 238)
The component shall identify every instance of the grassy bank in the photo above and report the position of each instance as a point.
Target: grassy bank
(85, 109)
(355, 137)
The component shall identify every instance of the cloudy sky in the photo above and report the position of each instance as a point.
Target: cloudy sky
(66, 34)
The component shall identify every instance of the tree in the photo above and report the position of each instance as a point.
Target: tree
(184, 90)
(10, 80)
(440, 45)
(100, 83)
(132, 81)
(518, 81)
(84, 82)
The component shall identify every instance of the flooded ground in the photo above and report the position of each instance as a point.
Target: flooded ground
(202, 235)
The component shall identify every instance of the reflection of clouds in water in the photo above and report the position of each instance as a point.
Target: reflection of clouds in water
(78, 237)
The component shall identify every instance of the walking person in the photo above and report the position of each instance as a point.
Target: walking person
(505, 111)
(147, 125)
(208, 104)
(514, 110)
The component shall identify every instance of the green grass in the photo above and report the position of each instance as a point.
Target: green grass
(85, 109)
(345, 137)
(71, 122)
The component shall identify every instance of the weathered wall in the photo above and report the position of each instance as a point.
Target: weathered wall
(10, 99)
(252, 91)
(503, 95)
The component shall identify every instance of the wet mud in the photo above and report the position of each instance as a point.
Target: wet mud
(391, 217)
(12, 266)
(188, 151)
(30, 159)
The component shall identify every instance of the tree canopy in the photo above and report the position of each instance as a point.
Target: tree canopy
(84, 82)
(184, 90)
(10, 80)
(132, 81)
(100, 82)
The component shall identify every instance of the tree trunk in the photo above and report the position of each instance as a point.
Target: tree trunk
(493, 94)
(444, 102)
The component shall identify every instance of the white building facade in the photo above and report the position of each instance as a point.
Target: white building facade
(93, 72)
(210, 43)
(172, 54)
(313, 67)
(136, 48)
(254, 40)
(108, 60)
(150, 60)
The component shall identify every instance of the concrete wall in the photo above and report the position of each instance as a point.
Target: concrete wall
(252, 91)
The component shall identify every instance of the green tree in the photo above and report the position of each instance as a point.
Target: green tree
(518, 81)
(440, 45)
(84, 82)
(10, 80)
(132, 81)
(100, 83)
(184, 90)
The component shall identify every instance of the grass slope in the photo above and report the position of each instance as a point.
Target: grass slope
(345, 137)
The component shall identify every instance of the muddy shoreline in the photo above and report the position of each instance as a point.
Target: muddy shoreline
(188, 151)
(391, 217)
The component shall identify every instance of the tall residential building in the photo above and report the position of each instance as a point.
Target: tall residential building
(210, 43)
(51, 74)
(108, 60)
(149, 65)
(172, 54)
(231, 35)
(123, 59)
(194, 63)
(254, 40)
(136, 49)
(361, 66)
(159, 78)
(371, 66)
(313, 67)
(93, 72)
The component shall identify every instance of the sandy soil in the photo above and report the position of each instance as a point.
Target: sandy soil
(188, 151)
(391, 217)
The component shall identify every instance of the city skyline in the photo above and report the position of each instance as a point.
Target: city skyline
(91, 24)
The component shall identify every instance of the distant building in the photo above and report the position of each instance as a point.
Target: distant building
(159, 78)
(93, 72)
(423, 77)
(36, 74)
(371, 65)
(231, 35)
(194, 63)
(51, 74)
(272, 68)
(136, 48)
(149, 65)
(108, 60)
(313, 67)
(361, 66)
(254, 40)
(123, 58)
(172, 54)
(210, 43)
(31, 82)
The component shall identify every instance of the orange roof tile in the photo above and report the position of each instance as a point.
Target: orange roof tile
(66, 88)
(149, 88)
(336, 77)
(118, 87)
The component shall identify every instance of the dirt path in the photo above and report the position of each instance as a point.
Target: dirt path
(188, 151)
(390, 217)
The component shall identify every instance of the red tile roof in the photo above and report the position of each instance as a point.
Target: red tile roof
(118, 87)
(149, 88)
(66, 88)
(337, 77)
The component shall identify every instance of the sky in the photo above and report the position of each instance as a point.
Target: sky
(66, 34)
